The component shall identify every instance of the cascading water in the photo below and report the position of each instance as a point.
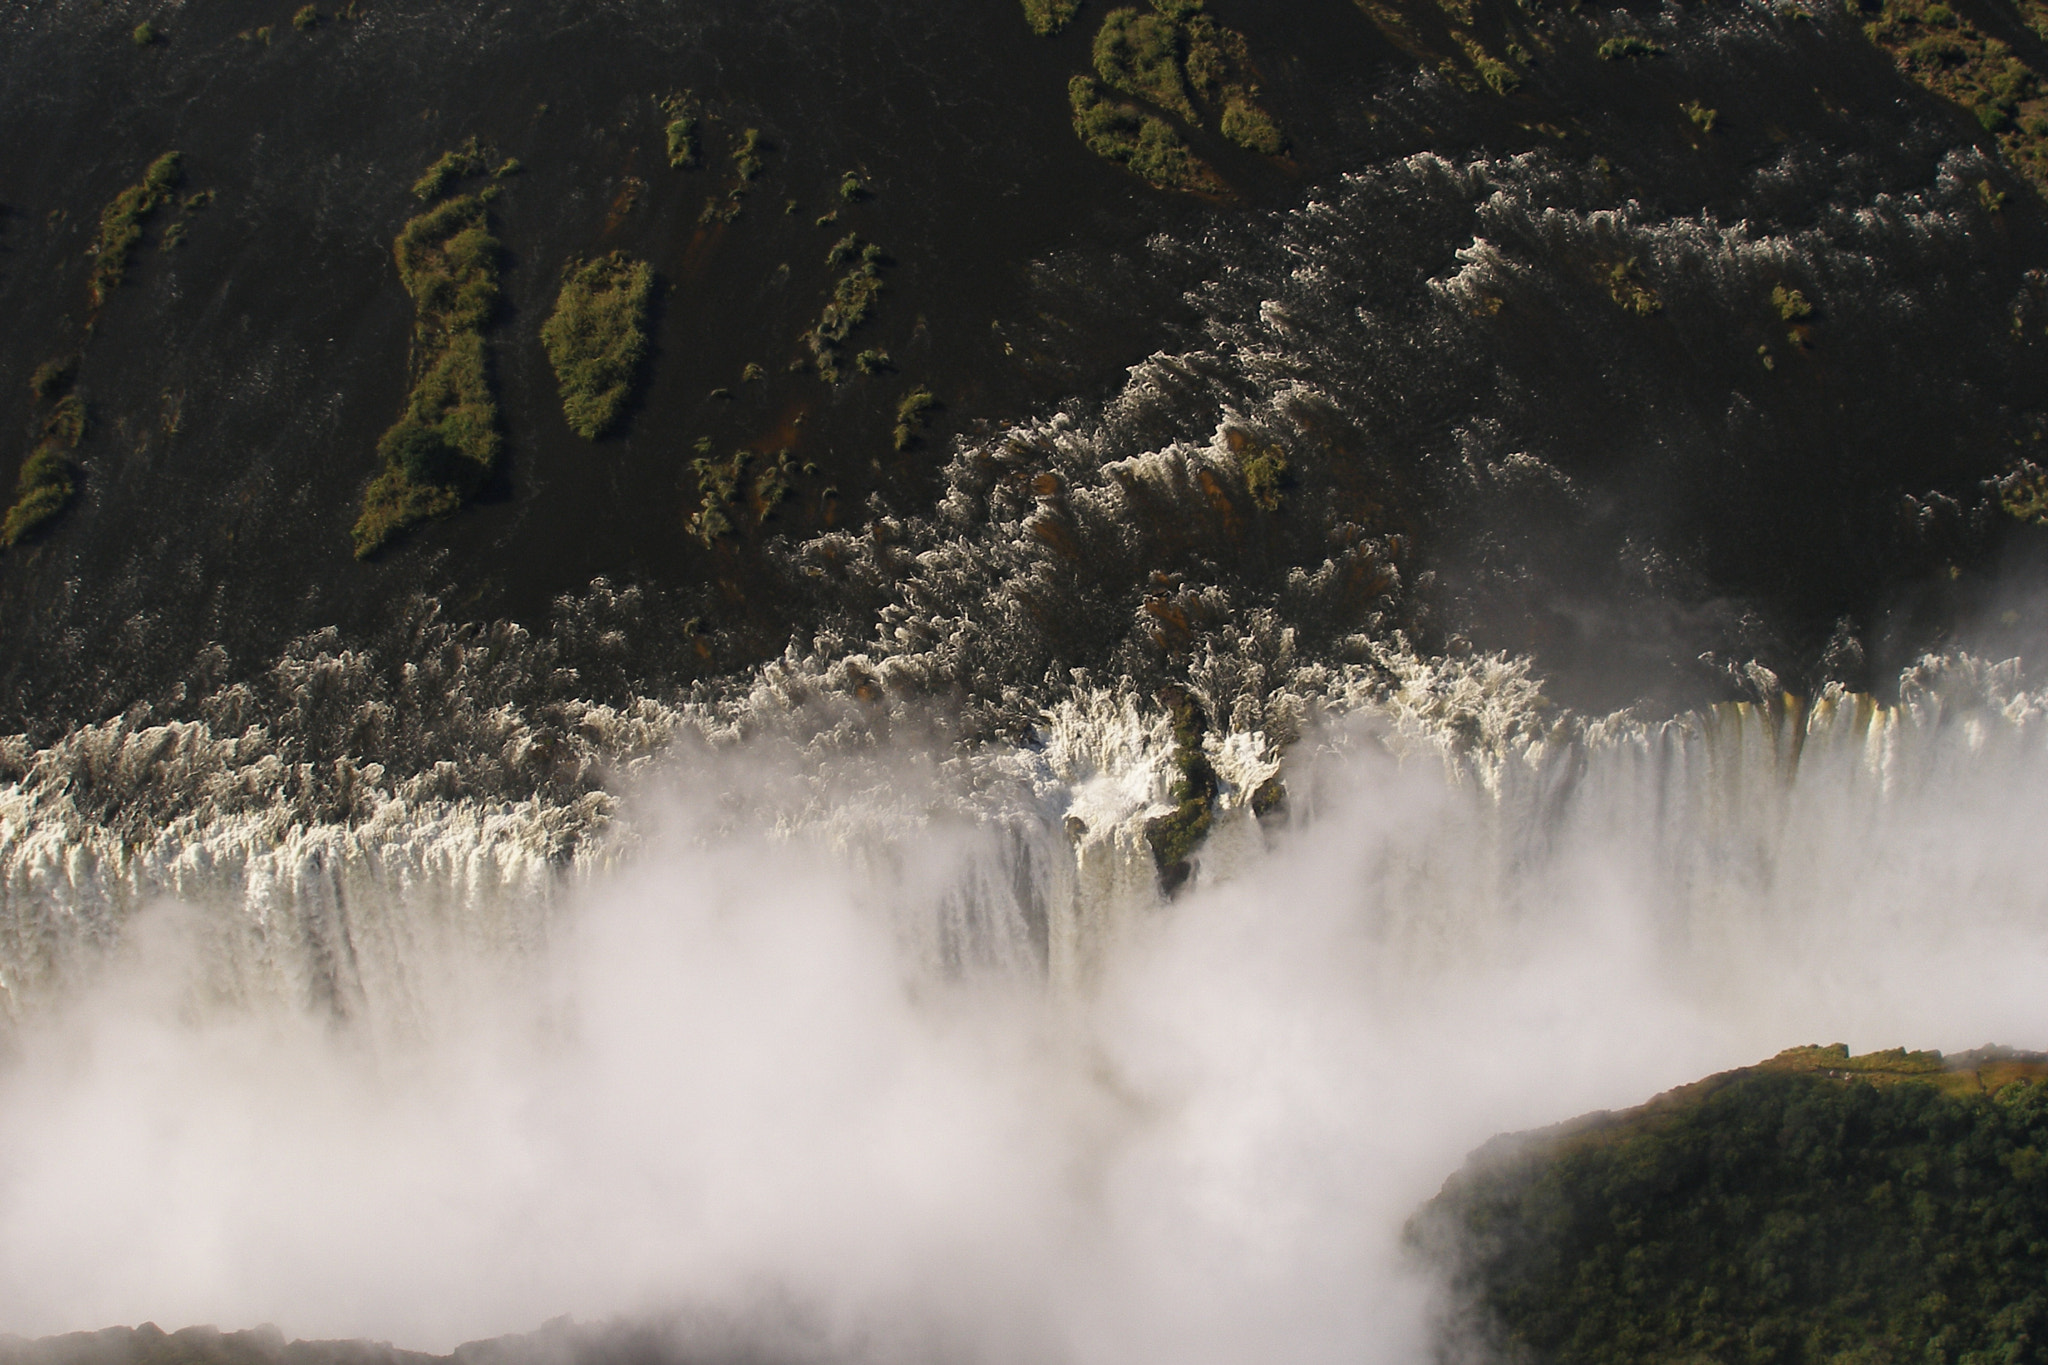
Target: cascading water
(878, 1056)
(427, 995)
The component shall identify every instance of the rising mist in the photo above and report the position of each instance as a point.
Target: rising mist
(731, 1076)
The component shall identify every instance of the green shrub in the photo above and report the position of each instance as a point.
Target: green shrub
(1625, 283)
(1790, 304)
(2023, 493)
(53, 378)
(913, 414)
(64, 424)
(446, 441)
(45, 486)
(681, 136)
(596, 338)
(306, 18)
(851, 189)
(1142, 143)
(1251, 127)
(122, 220)
(42, 490)
(1049, 16)
(1498, 75)
(468, 159)
(681, 130)
(718, 489)
(873, 362)
(852, 304)
(1140, 53)
(1992, 117)
(1702, 117)
(772, 485)
(145, 34)
(1626, 46)
(746, 158)
(1263, 464)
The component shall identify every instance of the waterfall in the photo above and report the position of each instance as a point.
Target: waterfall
(907, 1053)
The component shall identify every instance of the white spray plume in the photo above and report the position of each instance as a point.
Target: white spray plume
(731, 1083)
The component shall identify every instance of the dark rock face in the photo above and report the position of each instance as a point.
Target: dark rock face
(1554, 381)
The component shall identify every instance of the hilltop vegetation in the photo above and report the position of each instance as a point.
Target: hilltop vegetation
(1817, 1208)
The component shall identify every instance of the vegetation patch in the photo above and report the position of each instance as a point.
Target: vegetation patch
(1626, 286)
(306, 18)
(45, 485)
(144, 34)
(746, 157)
(1817, 1208)
(444, 445)
(122, 221)
(2023, 493)
(735, 490)
(1949, 55)
(53, 378)
(1140, 53)
(718, 490)
(1789, 304)
(1179, 59)
(1263, 465)
(1498, 75)
(1142, 143)
(913, 415)
(851, 305)
(1047, 17)
(1628, 46)
(747, 163)
(468, 159)
(1702, 117)
(597, 337)
(773, 485)
(685, 119)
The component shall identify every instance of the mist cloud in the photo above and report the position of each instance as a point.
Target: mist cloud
(730, 1085)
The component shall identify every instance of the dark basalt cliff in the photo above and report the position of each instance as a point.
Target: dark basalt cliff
(1715, 335)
